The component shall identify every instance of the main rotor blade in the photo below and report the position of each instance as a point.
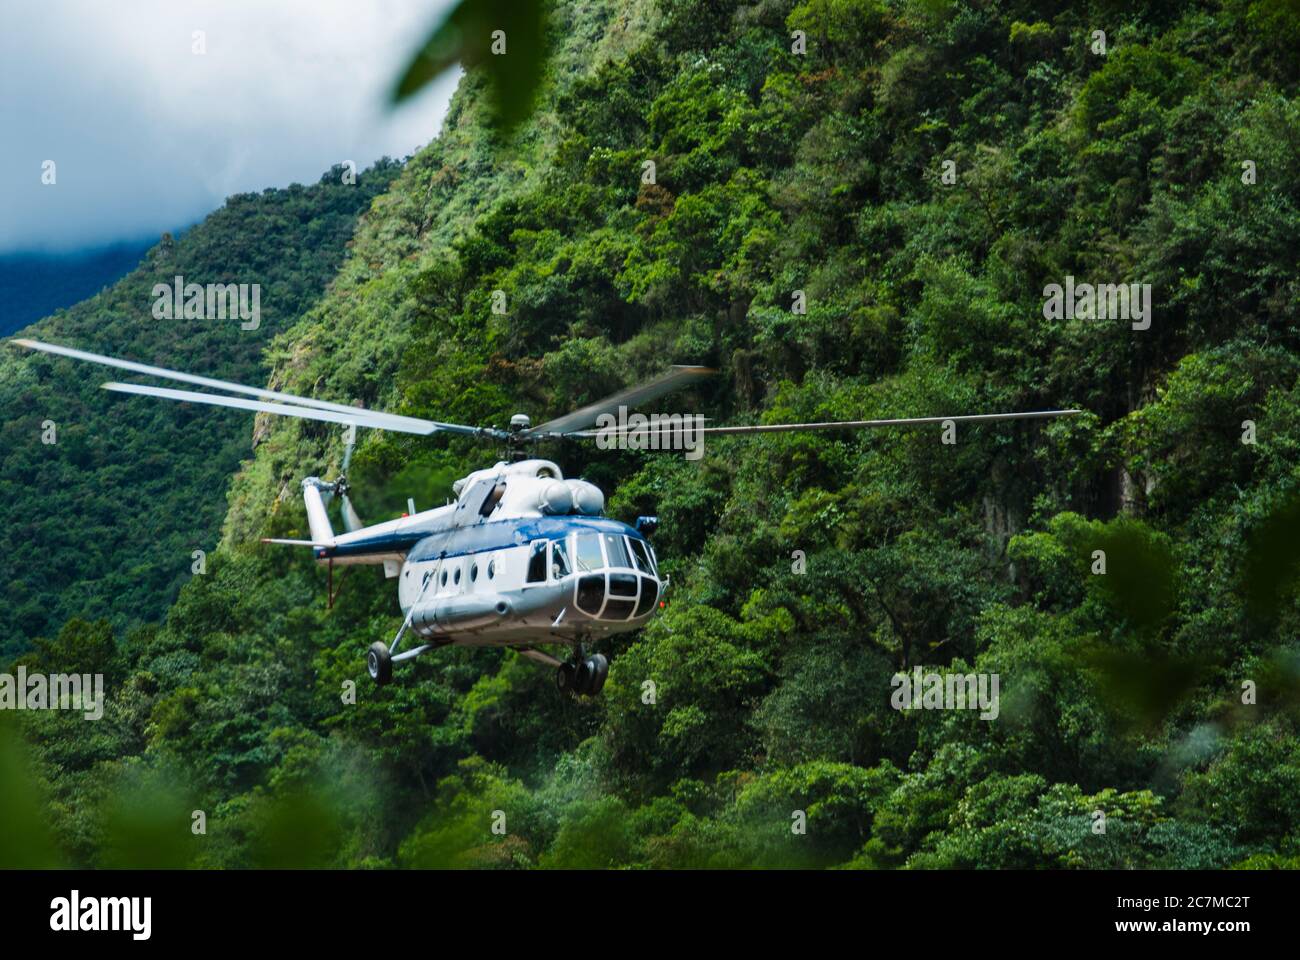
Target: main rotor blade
(676, 378)
(357, 415)
(362, 418)
(906, 422)
(166, 374)
(826, 425)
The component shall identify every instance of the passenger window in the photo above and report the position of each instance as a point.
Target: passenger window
(616, 548)
(559, 560)
(537, 562)
(589, 556)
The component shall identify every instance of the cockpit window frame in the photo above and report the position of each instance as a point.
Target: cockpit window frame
(640, 556)
(533, 553)
(560, 550)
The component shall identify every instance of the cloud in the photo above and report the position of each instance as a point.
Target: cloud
(148, 135)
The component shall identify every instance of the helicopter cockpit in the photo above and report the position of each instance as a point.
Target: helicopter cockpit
(617, 576)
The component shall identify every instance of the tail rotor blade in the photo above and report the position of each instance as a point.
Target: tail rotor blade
(349, 444)
(351, 521)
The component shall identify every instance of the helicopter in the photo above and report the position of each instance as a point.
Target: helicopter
(523, 557)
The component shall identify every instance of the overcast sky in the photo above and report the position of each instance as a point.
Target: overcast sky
(148, 136)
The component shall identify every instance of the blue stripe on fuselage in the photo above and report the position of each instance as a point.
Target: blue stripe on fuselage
(481, 537)
(398, 541)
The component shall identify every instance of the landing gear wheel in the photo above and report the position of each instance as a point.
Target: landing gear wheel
(599, 670)
(379, 663)
(582, 678)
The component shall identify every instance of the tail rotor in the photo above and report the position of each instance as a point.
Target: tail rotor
(351, 519)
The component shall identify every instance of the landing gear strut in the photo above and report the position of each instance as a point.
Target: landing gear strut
(582, 676)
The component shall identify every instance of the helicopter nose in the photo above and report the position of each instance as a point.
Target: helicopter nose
(618, 595)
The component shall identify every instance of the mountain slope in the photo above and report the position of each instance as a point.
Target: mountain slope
(33, 285)
(103, 521)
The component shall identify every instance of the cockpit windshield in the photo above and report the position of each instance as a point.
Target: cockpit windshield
(616, 550)
(619, 553)
(588, 552)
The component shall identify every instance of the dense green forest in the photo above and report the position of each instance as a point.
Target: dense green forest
(1164, 693)
(103, 521)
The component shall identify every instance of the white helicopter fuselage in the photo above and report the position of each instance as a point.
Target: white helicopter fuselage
(522, 557)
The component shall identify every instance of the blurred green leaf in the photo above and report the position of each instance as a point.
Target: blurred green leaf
(1139, 584)
(147, 823)
(506, 38)
(25, 841)
(1272, 560)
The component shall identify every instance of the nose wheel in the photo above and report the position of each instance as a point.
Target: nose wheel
(582, 676)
